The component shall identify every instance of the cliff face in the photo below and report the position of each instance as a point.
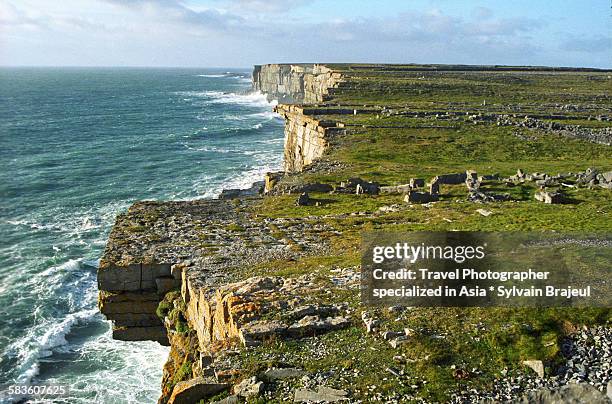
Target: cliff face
(306, 136)
(295, 83)
(225, 283)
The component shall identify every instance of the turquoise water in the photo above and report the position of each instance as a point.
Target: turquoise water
(77, 147)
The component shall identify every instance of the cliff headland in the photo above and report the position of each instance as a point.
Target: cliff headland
(257, 292)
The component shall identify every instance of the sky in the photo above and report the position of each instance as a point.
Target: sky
(240, 33)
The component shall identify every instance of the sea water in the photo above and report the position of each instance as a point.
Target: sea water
(78, 146)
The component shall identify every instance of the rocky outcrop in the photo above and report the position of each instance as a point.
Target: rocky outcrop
(295, 83)
(306, 137)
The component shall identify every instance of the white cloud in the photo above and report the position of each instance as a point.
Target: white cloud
(174, 32)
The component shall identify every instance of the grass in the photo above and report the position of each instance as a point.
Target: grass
(485, 342)
(453, 349)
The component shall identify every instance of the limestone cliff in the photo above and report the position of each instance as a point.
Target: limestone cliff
(306, 136)
(249, 287)
(295, 83)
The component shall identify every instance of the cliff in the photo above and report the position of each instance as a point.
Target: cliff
(258, 296)
(295, 83)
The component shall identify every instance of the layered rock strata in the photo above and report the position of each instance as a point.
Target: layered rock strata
(295, 83)
(306, 136)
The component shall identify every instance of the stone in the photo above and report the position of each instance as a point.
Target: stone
(369, 322)
(396, 342)
(484, 212)
(165, 284)
(434, 186)
(316, 187)
(472, 184)
(417, 182)
(420, 197)
(270, 180)
(303, 199)
(359, 186)
(282, 374)
(396, 189)
(388, 335)
(483, 197)
(261, 329)
(536, 365)
(452, 179)
(228, 400)
(233, 193)
(323, 394)
(573, 393)
(607, 176)
(249, 388)
(550, 197)
(316, 324)
(194, 390)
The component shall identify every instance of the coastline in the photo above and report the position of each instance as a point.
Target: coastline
(252, 269)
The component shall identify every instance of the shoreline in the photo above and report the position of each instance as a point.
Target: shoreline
(213, 279)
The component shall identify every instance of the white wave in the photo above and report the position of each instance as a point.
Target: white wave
(68, 266)
(211, 75)
(132, 371)
(219, 97)
(269, 115)
(32, 349)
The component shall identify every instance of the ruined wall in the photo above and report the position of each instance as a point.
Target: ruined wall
(295, 83)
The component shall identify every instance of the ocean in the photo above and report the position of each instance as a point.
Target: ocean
(78, 146)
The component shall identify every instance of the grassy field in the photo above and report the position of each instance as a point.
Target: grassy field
(453, 349)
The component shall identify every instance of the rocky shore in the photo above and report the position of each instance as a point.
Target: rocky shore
(257, 292)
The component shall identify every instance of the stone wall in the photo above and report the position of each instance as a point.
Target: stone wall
(295, 83)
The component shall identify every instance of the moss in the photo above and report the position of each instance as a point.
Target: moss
(167, 303)
(234, 227)
(183, 373)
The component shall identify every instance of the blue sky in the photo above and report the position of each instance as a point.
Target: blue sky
(240, 33)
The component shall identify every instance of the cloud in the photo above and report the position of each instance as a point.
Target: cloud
(240, 32)
(598, 43)
(266, 6)
(174, 11)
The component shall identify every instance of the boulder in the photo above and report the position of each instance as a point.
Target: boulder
(282, 374)
(317, 324)
(536, 365)
(228, 400)
(359, 186)
(323, 394)
(573, 393)
(249, 388)
(316, 187)
(194, 390)
(550, 197)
